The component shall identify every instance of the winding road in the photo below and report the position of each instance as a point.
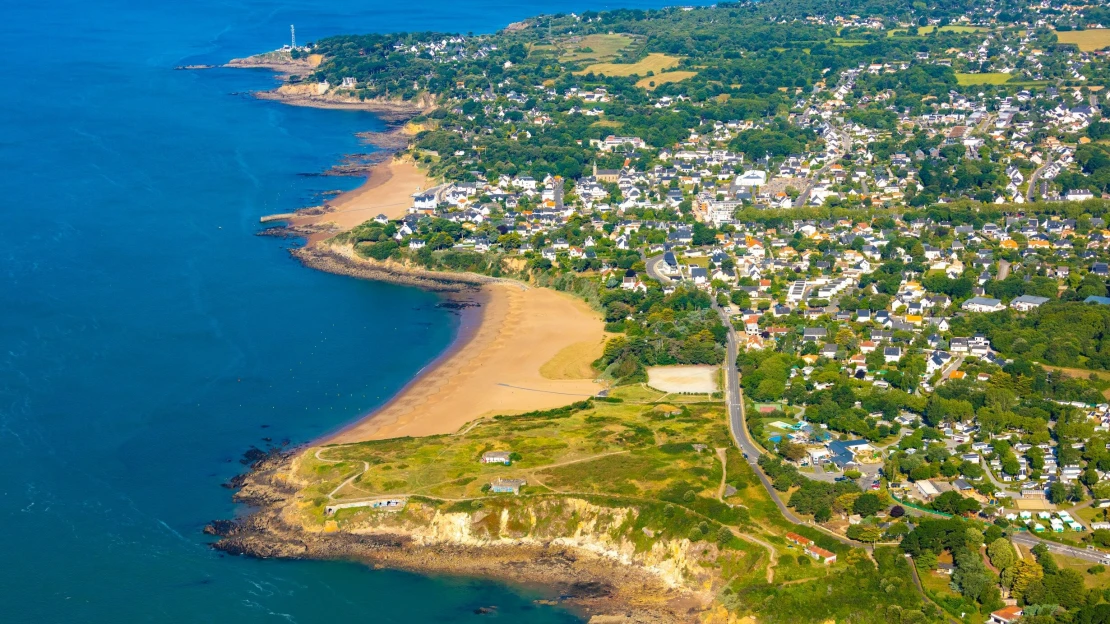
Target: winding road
(738, 429)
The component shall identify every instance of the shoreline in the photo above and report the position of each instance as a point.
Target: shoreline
(390, 111)
(507, 333)
(387, 190)
(470, 321)
(496, 363)
(592, 584)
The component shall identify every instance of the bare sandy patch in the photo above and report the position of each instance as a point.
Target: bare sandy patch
(497, 371)
(574, 361)
(697, 379)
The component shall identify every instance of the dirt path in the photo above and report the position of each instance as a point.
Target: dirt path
(724, 473)
(771, 552)
(348, 480)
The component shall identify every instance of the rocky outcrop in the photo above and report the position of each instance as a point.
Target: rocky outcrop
(575, 548)
(341, 260)
(314, 95)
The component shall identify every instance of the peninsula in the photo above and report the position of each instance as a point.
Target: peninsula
(771, 312)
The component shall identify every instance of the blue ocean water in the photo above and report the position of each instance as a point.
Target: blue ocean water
(148, 338)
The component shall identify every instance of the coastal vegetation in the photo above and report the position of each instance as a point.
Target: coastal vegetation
(669, 471)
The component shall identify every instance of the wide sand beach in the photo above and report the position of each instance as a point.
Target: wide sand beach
(529, 350)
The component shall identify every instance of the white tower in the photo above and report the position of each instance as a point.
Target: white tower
(293, 36)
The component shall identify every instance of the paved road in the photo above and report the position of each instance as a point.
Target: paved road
(1029, 540)
(803, 197)
(950, 367)
(651, 265)
(737, 426)
(1031, 191)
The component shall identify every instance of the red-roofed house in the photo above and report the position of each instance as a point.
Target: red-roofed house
(824, 556)
(798, 539)
(1006, 615)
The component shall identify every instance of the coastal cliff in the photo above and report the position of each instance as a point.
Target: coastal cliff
(580, 550)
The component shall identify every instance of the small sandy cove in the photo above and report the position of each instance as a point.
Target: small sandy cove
(531, 351)
(388, 190)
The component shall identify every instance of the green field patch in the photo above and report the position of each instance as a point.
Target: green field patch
(592, 47)
(986, 78)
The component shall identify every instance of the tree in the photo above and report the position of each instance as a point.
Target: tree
(1020, 576)
(868, 504)
(1001, 553)
(1066, 588)
(897, 511)
(869, 533)
(1057, 493)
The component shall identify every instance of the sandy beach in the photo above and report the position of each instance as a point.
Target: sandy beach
(388, 190)
(531, 350)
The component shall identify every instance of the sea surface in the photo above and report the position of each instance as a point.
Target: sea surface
(148, 337)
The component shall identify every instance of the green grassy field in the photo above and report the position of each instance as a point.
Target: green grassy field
(611, 448)
(593, 47)
(976, 79)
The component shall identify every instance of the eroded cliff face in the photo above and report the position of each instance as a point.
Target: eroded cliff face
(585, 553)
(567, 523)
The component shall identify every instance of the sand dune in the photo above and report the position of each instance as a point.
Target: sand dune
(497, 370)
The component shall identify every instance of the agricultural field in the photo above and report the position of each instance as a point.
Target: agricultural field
(1087, 40)
(654, 62)
(987, 78)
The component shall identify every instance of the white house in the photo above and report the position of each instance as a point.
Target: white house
(982, 304)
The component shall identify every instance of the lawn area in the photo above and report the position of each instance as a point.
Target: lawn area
(593, 47)
(986, 78)
(1087, 40)
(651, 82)
(636, 394)
(848, 43)
(655, 62)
